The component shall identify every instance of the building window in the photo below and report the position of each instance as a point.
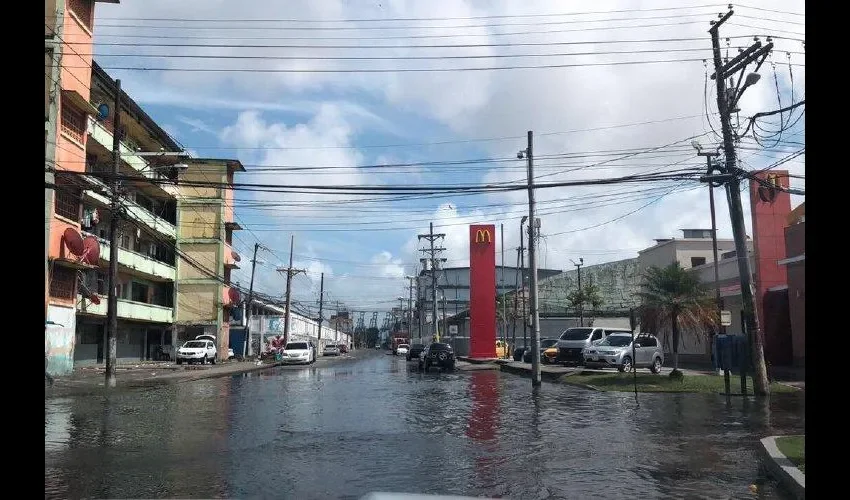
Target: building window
(67, 203)
(73, 122)
(62, 282)
(83, 9)
(697, 261)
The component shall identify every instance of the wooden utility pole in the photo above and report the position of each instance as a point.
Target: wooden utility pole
(321, 305)
(290, 272)
(726, 102)
(112, 280)
(532, 261)
(250, 304)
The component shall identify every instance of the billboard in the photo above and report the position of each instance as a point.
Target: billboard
(482, 291)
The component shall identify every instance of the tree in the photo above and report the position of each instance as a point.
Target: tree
(588, 294)
(675, 296)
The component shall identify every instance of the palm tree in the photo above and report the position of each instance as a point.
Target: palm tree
(672, 294)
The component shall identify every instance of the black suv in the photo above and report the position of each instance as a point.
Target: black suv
(414, 351)
(437, 354)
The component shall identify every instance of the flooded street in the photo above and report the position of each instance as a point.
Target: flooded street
(371, 424)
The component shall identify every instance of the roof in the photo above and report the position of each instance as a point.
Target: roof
(130, 105)
(232, 164)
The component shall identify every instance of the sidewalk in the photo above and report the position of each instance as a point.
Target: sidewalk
(90, 380)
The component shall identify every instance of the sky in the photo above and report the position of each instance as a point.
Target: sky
(338, 87)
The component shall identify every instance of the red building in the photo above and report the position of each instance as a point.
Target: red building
(795, 265)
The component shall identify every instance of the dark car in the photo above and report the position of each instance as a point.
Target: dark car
(544, 344)
(343, 348)
(437, 354)
(414, 351)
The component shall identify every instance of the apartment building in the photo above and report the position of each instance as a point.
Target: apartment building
(146, 235)
(69, 27)
(205, 228)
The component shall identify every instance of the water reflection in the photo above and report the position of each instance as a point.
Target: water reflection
(343, 430)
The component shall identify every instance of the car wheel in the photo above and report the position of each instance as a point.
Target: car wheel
(626, 365)
(450, 366)
(656, 366)
(427, 365)
(204, 361)
(419, 366)
(212, 361)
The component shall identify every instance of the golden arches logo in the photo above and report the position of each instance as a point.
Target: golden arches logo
(483, 236)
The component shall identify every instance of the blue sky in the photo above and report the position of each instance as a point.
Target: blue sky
(322, 119)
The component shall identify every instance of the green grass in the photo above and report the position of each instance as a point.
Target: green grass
(794, 447)
(648, 382)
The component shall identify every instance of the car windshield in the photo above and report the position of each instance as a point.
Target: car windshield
(294, 346)
(576, 334)
(617, 340)
(548, 343)
(195, 344)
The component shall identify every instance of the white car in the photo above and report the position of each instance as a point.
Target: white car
(197, 351)
(402, 349)
(299, 353)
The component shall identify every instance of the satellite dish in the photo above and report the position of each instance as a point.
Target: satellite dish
(91, 250)
(73, 241)
(103, 111)
(236, 256)
(234, 295)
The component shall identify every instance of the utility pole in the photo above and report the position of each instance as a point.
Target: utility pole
(532, 261)
(502, 286)
(522, 282)
(250, 303)
(321, 305)
(410, 309)
(112, 281)
(432, 253)
(289, 273)
(725, 104)
(516, 301)
(580, 291)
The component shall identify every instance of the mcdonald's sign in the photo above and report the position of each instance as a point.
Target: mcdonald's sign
(483, 236)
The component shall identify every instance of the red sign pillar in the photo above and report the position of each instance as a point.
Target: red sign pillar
(482, 291)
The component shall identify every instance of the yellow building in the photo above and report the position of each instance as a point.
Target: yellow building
(205, 228)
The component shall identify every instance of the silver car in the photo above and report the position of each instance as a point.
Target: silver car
(616, 350)
(573, 342)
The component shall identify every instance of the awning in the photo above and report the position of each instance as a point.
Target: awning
(79, 102)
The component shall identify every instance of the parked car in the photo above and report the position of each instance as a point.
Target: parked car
(415, 351)
(616, 350)
(574, 341)
(437, 354)
(197, 351)
(544, 345)
(377, 346)
(343, 348)
(230, 354)
(402, 349)
(299, 353)
(330, 350)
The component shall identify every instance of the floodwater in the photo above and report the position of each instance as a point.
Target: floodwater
(371, 424)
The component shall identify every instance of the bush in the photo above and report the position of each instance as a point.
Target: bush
(677, 375)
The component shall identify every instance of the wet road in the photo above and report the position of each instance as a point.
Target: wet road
(369, 424)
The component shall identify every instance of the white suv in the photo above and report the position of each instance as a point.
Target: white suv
(197, 351)
(617, 350)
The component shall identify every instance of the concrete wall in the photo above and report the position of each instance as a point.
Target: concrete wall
(59, 339)
(618, 284)
(198, 302)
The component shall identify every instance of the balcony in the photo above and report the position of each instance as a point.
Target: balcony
(103, 136)
(138, 262)
(231, 258)
(127, 309)
(157, 224)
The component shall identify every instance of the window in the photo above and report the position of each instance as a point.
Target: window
(596, 335)
(63, 282)
(648, 342)
(140, 292)
(83, 9)
(67, 203)
(73, 123)
(697, 261)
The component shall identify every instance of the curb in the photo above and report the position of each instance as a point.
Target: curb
(781, 468)
(160, 381)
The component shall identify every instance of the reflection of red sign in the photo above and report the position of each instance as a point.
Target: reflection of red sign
(484, 392)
